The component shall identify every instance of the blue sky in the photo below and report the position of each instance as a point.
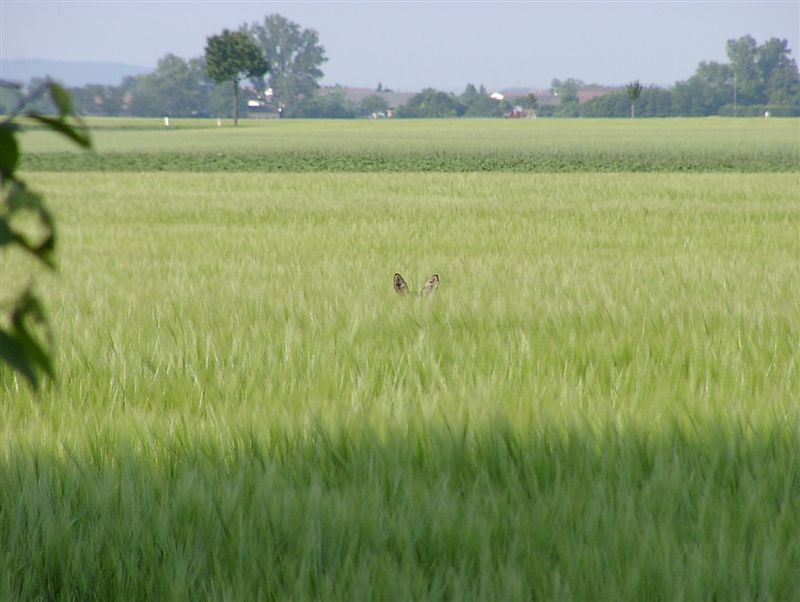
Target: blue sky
(410, 45)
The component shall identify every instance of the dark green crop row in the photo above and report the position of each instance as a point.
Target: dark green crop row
(543, 161)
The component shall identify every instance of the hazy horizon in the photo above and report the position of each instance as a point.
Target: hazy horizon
(408, 46)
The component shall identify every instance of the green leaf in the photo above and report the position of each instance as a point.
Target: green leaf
(9, 152)
(20, 198)
(13, 353)
(28, 308)
(6, 233)
(62, 127)
(61, 98)
(19, 348)
(36, 352)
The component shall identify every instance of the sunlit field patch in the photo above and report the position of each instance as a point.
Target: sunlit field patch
(599, 402)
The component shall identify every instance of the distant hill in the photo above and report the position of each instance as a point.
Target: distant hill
(69, 73)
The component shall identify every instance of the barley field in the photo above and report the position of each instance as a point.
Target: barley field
(599, 403)
(428, 145)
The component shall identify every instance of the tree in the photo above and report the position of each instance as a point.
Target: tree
(742, 54)
(27, 224)
(328, 105)
(470, 95)
(567, 92)
(705, 92)
(634, 90)
(614, 104)
(476, 102)
(765, 74)
(294, 56)
(653, 102)
(96, 99)
(431, 103)
(232, 57)
(177, 88)
(778, 73)
(530, 101)
(373, 104)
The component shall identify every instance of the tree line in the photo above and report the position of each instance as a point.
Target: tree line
(757, 78)
(190, 88)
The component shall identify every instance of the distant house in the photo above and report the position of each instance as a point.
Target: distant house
(518, 112)
(259, 104)
(387, 114)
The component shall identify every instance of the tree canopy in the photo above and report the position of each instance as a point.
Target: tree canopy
(765, 74)
(478, 103)
(294, 55)
(373, 104)
(432, 103)
(652, 102)
(567, 92)
(232, 56)
(175, 88)
(634, 91)
(761, 76)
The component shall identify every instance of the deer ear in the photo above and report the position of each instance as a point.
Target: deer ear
(400, 286)
(431, 285)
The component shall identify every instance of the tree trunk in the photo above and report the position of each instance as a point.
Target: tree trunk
(236, 102)
(632, 111)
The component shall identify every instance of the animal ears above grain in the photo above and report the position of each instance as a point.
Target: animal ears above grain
(400, 286)
(431, 285)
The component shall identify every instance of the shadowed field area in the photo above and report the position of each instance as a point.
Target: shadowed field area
(418, 512)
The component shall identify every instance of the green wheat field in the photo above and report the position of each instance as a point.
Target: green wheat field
(601, 401)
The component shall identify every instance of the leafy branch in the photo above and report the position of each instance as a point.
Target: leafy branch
(23, 316)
